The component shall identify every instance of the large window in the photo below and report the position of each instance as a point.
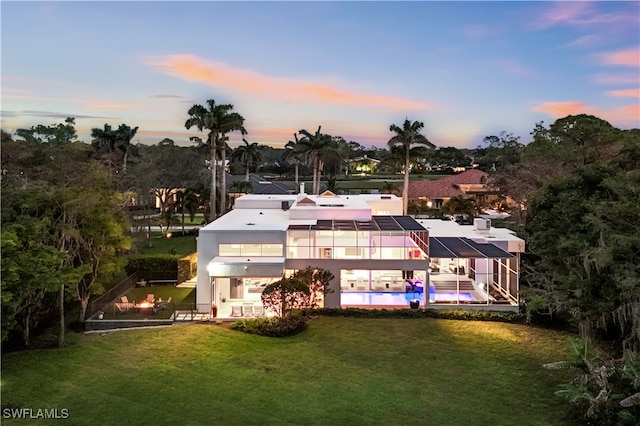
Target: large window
(309, 244)
(253, 250)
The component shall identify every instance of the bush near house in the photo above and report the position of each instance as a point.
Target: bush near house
(288, 325)
(457, 314)
(157, 266)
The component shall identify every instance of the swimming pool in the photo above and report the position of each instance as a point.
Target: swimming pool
(399, 299)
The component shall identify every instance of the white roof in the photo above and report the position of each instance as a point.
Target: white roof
(251, 220)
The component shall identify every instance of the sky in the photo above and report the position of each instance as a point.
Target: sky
(466, 70)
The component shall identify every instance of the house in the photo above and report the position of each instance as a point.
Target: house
(471, 183)
(363, 165)
(379, 258)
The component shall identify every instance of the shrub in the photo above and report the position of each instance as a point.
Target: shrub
(288, 325)
(606, 392)
(153, 266)
(459, 314)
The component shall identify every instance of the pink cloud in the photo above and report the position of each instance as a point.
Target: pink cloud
(616, 79)
(581, 13)
(560, 12)
(192, 68)
(630, 57)
(631, 93)
(626, 115)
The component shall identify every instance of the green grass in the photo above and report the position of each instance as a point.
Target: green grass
(177, 294)
(341, 371)
(180, 298)
(174, 245)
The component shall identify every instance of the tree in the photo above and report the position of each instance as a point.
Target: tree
(411, 144)
(293, 153)
(316, 147)
(54, 134)
(583, 231)
(242, 186)
(113, 146)
(317, 281)
(219, 120)
(460, 205)
(500, 151)
(284, 296)
(249, 154)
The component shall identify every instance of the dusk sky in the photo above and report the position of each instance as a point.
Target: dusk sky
(465, 69)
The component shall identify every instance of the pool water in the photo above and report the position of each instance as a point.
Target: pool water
(381, 298)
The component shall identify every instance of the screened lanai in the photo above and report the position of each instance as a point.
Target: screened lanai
(465, 271)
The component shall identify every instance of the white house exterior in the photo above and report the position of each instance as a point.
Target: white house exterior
(379, 257)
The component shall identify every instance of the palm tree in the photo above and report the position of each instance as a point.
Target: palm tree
(292, 152)
(460, 205)
(249, 154)
(124, 135)
(317, 147)
(243, 186)
(411, 143)
(219, 120)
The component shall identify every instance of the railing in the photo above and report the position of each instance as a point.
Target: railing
(111, 294)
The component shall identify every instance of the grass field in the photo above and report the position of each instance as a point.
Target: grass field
(182, 245)
(341, 371)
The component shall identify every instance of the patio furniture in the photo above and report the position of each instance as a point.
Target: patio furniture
(151, 297)
(124, 307)
(124, 299)
(236, 311)
(247, 310)
(258, 310)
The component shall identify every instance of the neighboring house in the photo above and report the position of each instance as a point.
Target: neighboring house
(259, 184)
(379, 258)
(363, 165)
(470, 184)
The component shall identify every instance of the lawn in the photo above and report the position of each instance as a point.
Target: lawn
(182, 245)
(181, 299)
(341, 371)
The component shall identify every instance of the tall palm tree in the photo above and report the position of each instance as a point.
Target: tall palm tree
(411, 143)
(291, 152)
(219, 120)
(249, 154)
(317, 147)
(122, 143)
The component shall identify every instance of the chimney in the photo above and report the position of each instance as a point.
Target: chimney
(302, 188)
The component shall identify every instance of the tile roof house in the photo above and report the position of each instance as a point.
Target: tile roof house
(469, 184)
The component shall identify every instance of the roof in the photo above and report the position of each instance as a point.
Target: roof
(446, 187)
(377, 223)
(259, 185)
(454, 247)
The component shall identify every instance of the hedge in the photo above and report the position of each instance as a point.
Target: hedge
(154, 266)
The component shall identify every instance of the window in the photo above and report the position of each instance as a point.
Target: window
(254, 250)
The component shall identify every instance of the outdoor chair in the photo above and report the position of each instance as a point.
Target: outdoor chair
(124, 307)
(236, 311)
(124, 299)
(151, 297)
(247, 310)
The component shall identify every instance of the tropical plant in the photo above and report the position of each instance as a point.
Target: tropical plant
(411, 144)
(316, 147)
(242, 186)
(460, 205)
(248, 154)
(606, 392)
(293, 153)
(219, 120)
(113, 145)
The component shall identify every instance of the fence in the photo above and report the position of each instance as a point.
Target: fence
(114, 292)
